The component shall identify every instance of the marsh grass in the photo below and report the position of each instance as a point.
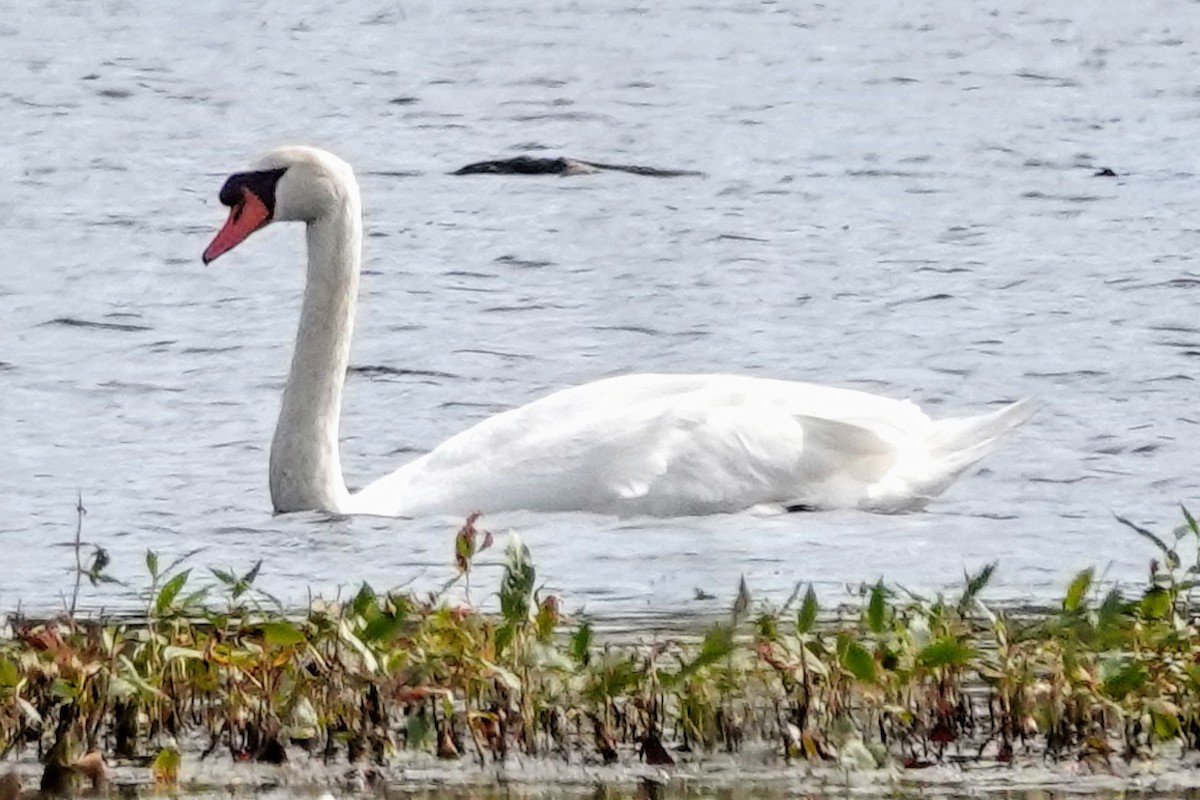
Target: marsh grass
(219, 669)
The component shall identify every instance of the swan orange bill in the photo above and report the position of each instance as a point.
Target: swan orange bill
(244, 219)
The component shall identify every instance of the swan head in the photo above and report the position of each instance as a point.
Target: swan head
(289, 183)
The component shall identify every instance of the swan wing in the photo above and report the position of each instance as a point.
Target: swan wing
(662, 445)
(738, 452)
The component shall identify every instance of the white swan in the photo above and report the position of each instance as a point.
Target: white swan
(638, 444)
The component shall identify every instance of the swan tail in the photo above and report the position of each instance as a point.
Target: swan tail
(957, 443)
(951, 447)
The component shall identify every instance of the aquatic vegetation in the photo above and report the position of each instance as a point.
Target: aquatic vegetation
(217, 668)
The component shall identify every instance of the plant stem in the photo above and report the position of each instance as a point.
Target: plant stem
(78, 546)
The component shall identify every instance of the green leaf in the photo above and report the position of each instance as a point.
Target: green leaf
(169, 591)
(224, 576)
(1121, 677)
(250, 576)
(1077, 590)
(1168, 552)
(947, 651)
(888, 659)
(516, 588)
(1191, 521)
(742, 602)
(175, 562)
(10, 676)
(808, 612)
(418, 733)
(1111, 619)
(1112, 607)
(766, 626)
(194, 597)
(282, 633)
(876, 608)
(1156, 603)
(152, 563)
(63, 690)
(383, 628)
(975, 585)
(1166, 723)
(717, 644)
(365, 602)
(856, 659)
(546, 619)
(240, 585)
(581, 644)
(616, 678)
(504, 637)
(464, 545)
(166, 764)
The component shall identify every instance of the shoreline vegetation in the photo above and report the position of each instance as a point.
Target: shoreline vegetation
(213, 670)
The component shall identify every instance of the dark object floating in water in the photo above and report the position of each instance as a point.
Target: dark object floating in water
(526, 165)
(73, 322)
(1106, 172)
(382, 370)
(522, 263)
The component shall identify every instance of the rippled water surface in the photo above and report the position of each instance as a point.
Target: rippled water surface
(901, 197)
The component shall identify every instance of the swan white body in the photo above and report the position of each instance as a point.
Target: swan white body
(637, 444)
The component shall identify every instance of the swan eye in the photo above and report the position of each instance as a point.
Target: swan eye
(260, 183)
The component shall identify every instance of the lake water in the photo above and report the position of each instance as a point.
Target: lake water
(900, 197)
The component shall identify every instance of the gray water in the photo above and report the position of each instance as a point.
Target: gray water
(899, 197)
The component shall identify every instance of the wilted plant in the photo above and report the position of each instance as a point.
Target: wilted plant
(899, 677)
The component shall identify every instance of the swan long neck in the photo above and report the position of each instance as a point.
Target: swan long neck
(306, 469)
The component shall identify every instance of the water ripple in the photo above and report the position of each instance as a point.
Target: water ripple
(881, 226)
